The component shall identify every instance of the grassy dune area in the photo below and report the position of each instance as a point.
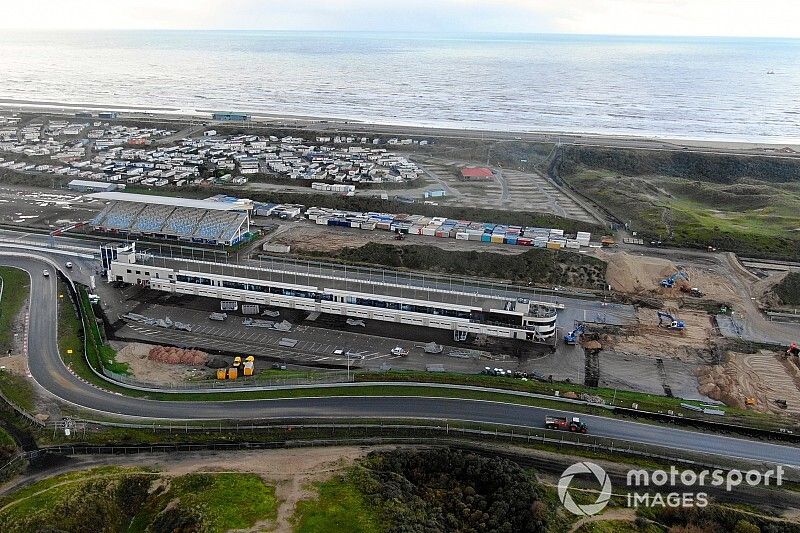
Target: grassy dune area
(112, 499)
(745, 204)
(748, 217)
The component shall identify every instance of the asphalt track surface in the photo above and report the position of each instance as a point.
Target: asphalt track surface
(48, 370)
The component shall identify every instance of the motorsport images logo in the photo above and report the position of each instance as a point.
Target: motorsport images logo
(587, 509)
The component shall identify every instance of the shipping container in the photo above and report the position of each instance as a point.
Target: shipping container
(486, 237)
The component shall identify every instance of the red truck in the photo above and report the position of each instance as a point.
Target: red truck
(563, 423)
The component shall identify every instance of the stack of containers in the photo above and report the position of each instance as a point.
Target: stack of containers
(540, 236)
(499, 234)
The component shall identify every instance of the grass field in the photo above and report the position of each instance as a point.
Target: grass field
(17, 389)
(339, 507)
(751, 217)
(16, 287)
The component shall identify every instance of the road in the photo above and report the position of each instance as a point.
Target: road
(50, 373)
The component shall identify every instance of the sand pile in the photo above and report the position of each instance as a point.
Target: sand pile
(634, 274)
(177, 356)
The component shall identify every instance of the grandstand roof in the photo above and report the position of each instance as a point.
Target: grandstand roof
(172, 201)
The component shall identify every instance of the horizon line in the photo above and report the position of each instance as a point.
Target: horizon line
(400, 32)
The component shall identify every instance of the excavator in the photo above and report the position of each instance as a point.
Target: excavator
(666, 320)
(669, 282)
(571, 338)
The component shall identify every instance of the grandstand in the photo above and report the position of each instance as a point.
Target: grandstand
(220, 220)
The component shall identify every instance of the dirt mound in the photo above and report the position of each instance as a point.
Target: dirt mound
(761, 377)
(177, 356)
(636, 274)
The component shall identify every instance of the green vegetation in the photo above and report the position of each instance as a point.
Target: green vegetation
(788, 290)
(745, 205)
(107, 499)
(17, 389)
(70, 340)
(70, 334)
(114, 499)
(450, 490)
(97, 350)
(538, 266)
(715, 518)
(620, 526)
(16, 286)
(208, 503)
(338, 508)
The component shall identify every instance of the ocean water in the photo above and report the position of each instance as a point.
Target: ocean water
(727, 89)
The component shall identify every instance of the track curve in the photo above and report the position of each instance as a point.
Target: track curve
(50, 373)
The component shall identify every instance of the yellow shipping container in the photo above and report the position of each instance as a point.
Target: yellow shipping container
(553, 246)
(497, 239)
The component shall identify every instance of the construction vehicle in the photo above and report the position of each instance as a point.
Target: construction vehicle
(571, 338)
(222, 374)
(233, 373)
(666, 320)
(669, 282)
(400, 237)
(563, 423)
(692, 291)
(249, 366)
(237, 362)
(607, 241)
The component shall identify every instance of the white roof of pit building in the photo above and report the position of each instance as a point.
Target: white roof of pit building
(239, 205)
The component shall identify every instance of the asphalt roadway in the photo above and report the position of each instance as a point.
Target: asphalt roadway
(48, 370)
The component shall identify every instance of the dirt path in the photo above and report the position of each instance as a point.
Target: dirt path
(617, 513)
(293, 471)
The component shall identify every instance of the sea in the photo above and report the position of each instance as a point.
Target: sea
(690, 88)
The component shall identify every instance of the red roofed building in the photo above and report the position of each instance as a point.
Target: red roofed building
(476, 173)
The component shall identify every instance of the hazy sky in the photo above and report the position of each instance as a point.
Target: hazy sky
(771, 18)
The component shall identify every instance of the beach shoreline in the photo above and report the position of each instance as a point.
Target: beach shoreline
(339, 125)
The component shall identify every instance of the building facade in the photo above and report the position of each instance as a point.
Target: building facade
(460, 311)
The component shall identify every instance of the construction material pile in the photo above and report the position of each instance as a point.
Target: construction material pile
(177, 356)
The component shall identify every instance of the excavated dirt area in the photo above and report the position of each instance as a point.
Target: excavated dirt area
(135, 354)
(635, 274)
(648, 338)
(641, 275)
(763, 377)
